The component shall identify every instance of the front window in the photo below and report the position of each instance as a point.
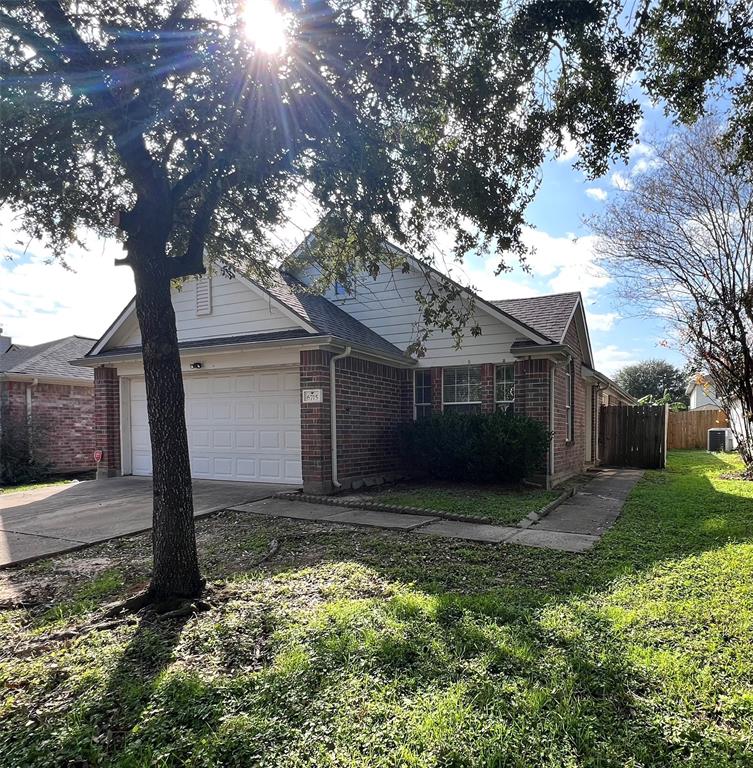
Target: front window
(461, 389)
(504, 387)
(422, 394)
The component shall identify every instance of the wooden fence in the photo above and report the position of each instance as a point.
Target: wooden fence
(633, 436)
(688, 429)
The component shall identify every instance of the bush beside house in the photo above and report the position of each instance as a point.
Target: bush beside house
(496, 447)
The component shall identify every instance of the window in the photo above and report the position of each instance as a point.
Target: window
(422, 394)
(569, 399)
(461, 389)
(504, 387)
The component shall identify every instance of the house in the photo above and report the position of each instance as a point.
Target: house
(287, 386)
(702, 394)
(43, 395)
(703, 397)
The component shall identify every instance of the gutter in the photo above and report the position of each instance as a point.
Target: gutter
(333, 412)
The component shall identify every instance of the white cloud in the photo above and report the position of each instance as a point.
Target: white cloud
(41, 301)
(569, 263)
(596, 193)
(557, 265)
(610, 358)
(569, 149)
(601, 321)
(644, 164)
(621, 182)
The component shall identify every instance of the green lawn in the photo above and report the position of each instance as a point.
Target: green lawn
(502, 504)
(32, 486)
(373, 648)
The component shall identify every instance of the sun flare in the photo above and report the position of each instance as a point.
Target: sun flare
(265, 26)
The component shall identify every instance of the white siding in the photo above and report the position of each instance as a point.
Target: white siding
(236, 310)
(703, 398)
(387, 305)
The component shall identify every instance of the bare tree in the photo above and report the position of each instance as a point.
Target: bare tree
(680, 242)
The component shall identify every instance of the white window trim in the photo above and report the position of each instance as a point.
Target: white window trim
(506, 402)
(458, 402)
(415, 404)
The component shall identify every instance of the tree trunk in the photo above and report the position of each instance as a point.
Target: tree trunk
(176, 567)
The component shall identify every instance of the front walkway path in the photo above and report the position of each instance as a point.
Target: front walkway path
(575, 526)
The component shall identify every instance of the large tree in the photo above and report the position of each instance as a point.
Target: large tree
(655, 379)
(188, 135)
(681, 243)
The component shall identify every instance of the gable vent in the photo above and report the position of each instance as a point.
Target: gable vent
(204, 296)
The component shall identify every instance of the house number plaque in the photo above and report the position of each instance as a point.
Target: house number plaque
(312, 395)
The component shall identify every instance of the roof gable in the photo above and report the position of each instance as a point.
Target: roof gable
(549, 315)
(299, 314)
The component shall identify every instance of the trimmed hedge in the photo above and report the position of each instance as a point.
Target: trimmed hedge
(494, 447)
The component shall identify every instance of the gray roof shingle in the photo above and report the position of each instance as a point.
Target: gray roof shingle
(547, 315)
(325, 316)
(51, 359)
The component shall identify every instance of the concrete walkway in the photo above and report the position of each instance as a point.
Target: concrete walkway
(575, 526)
(46, 521)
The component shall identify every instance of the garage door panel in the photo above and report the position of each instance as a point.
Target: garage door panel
(245, 384)
(246, 411)
(196, 386)
(246, 439)
(240, 427)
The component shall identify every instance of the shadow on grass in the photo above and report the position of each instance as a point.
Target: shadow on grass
(392, 650)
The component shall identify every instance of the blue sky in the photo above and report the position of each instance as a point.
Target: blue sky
(40, 301)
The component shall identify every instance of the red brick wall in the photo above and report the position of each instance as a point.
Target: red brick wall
(487, 388)
(373, 399)
(532, 389)
(62, 418)
(107, 420)
(436, 390)
(315, 425)
(569, 456)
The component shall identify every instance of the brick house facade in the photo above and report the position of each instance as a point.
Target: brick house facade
(47, 406)
(259, 404)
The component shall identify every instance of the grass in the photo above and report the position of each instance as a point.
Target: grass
(373, 648)
(504, 504)
(32, 486)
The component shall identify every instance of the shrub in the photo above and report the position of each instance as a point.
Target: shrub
(21, 459)
(476, 447)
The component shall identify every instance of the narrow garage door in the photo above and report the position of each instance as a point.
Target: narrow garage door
(244, 426)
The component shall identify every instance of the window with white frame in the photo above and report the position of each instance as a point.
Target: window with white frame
(422, 394)
(461, 389)
(569, 399)
(504, 387)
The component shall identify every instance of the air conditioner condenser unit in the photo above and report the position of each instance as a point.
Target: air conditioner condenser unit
(720, 439)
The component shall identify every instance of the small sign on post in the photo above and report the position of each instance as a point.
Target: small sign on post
(98, 455)
(312, 396)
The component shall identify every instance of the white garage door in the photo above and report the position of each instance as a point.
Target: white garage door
(244, 426)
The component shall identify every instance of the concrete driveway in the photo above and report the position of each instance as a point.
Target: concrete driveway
(46, 521)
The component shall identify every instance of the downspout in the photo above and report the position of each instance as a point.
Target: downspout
(333, 413)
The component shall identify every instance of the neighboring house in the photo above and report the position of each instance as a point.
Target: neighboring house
(703, 397)
(40, 391)
(702, 394)
(258, 362)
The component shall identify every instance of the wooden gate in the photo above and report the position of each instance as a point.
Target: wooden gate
(633, 436)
